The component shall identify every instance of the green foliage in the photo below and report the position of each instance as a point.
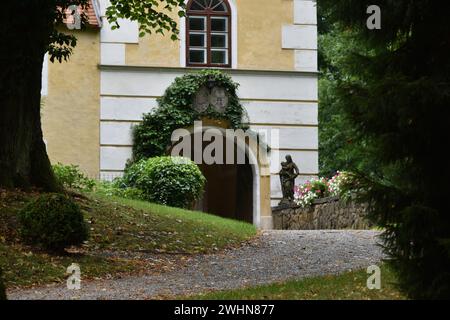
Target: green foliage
(393, 92)
(145, 12)
(319, 186)
(341, 147)
(71, 177)
(2, 288)
(53, 221)
(119, 189)
(172, 181)
(60, 44)
(152, 136)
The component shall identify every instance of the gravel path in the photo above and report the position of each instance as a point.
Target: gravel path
(275, 256)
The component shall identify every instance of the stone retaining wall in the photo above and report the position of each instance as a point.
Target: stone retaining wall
(329, 213)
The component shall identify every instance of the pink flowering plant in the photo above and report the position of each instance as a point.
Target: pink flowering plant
(305, 194)
(313, 189)
(337, 184)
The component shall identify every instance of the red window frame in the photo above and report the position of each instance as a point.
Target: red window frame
(208, 13)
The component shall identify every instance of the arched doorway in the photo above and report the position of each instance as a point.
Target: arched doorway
(230, 190)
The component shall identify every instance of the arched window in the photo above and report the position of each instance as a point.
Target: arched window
(208, 36)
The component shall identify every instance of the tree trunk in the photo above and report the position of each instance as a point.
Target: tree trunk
(24, 32)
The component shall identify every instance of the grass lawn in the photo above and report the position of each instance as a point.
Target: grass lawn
(122, 228)
(347, 286)
(125, 224)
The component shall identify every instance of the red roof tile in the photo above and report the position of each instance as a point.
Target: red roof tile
(93, 13)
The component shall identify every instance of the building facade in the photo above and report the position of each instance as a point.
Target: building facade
(269, 47)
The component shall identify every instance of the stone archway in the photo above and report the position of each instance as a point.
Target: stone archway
(232, 190)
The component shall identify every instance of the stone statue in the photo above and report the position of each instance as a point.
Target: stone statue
(289, 171)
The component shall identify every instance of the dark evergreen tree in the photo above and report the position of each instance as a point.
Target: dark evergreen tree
(395, 96)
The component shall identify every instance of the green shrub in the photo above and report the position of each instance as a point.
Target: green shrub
(319, 186)
(70, 176)
(172, 181)
(53, 221)
(2, 288)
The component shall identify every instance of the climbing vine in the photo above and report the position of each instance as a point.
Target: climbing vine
(152, 136)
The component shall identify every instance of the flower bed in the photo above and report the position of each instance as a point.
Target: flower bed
(314, 189)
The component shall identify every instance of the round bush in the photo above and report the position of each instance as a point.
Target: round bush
(53, 221)
(172, 181)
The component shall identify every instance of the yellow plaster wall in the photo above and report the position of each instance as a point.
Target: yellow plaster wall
(71, 111)
(259, 39)
(155, 50)
(259, 34)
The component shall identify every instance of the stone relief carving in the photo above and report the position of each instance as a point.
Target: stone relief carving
(217, 97)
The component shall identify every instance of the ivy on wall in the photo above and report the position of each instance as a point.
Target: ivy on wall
(153, 136)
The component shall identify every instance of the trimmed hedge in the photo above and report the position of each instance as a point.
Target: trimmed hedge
(52, 221)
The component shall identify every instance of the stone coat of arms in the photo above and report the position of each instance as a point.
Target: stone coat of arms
(217, 97)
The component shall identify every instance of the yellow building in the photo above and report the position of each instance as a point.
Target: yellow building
(269, 47)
